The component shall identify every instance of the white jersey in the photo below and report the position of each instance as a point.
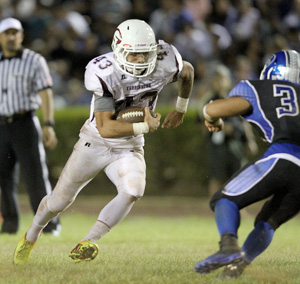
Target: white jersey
(105, 78)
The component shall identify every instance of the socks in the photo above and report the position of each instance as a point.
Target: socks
(228, 220)
(98, 230)
(34, 233)
(227, 217)
(258, 240)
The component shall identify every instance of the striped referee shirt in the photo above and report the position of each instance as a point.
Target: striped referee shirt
(21, 78)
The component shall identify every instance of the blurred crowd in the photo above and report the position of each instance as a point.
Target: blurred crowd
(234, 34)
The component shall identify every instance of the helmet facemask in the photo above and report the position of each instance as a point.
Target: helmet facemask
(137, 69)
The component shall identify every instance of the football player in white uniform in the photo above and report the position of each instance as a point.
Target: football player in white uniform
(131, 76)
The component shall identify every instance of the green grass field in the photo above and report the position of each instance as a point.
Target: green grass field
(158, 243)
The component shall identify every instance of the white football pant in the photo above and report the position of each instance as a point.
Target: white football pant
(126, 168)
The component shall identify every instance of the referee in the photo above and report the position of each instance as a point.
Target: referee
(25, 84)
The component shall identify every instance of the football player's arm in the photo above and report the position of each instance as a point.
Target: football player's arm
(111, 128)
(215, 110)
(185, 85)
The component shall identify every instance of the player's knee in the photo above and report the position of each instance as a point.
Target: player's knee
(134, 198)
(129, 197)
(214, 199)
(268, 224)
(135, 193)
(135, 185)
(273, 224)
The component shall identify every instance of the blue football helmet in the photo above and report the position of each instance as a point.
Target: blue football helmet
(283, 65)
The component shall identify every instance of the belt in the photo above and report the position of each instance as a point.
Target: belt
(6, 119)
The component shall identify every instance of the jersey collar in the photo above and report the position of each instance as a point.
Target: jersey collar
(18, 55)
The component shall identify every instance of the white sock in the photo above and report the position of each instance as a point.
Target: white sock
(98, 230)
(34, 233)
(113, 213)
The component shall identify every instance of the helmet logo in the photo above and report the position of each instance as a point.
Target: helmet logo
(118, 39)
(272, 59)
(283, 65)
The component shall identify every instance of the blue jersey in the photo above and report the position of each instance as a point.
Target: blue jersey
(274, 108)
(276, 174)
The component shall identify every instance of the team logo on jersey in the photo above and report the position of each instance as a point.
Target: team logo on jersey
(123, 77)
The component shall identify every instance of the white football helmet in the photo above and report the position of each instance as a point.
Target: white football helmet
(135, 36)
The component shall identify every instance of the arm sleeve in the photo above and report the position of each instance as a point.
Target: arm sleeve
(103, 104)
(243, 89)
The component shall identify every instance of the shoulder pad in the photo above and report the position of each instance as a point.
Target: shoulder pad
(102, 65)
(169, 60)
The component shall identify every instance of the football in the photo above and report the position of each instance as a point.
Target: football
(133, 115)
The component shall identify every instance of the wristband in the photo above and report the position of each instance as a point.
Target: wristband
(208, 117)
(48, 123)
(182, 104)
(215, 122)
(140, 128)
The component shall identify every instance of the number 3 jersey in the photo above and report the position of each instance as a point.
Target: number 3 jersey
(105, 78)
(275, 108)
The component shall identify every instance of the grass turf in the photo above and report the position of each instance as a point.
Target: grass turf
(146, 248)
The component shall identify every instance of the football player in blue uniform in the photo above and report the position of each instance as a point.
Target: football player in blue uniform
(271, 104)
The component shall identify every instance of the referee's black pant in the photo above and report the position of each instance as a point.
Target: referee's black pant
(21, 146)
